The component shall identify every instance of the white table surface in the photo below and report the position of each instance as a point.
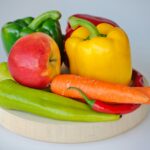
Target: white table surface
(131, 15)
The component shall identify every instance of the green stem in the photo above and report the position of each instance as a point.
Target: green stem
(76, 22)
(88, 101)
(55, 15)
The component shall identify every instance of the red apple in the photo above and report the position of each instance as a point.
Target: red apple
(34, 60)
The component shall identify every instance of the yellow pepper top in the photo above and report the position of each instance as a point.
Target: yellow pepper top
(101, 52)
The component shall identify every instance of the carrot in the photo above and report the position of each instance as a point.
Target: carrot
(98, 90)
(145, 90)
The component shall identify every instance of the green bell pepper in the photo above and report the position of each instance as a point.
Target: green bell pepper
(47, 22)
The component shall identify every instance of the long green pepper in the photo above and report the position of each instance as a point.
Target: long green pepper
(47, 22)
(17, 97)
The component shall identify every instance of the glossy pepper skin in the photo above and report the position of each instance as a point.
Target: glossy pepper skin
(47, 22)
(101, 52)
(93, 19)
(100, 106)
(14, 96)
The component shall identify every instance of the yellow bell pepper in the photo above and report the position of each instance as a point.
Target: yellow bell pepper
(101, 52)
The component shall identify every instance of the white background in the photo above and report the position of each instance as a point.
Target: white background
(133, 16)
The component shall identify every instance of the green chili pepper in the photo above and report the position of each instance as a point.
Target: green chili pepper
(17, 97)
(47, 22)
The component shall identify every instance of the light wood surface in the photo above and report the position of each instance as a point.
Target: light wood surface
(49, 130)
(67, 132)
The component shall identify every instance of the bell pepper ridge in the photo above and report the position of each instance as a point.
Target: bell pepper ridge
(93, 19)
(76, 22)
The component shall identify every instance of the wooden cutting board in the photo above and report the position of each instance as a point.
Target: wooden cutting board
(49, 130)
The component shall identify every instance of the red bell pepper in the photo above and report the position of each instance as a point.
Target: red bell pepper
(137, 79)
(114, 108)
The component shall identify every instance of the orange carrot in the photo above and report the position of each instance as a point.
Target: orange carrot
(145, 90)
(98, 90)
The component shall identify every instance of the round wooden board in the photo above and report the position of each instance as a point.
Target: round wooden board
(49, 130)
(68, 132)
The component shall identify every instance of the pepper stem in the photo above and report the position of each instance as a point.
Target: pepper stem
(76, 22)
(88, 101)
(55, 15)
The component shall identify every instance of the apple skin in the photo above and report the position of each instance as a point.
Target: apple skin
(34, 60)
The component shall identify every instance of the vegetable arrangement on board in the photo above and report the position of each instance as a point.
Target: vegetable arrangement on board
(101, 85)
